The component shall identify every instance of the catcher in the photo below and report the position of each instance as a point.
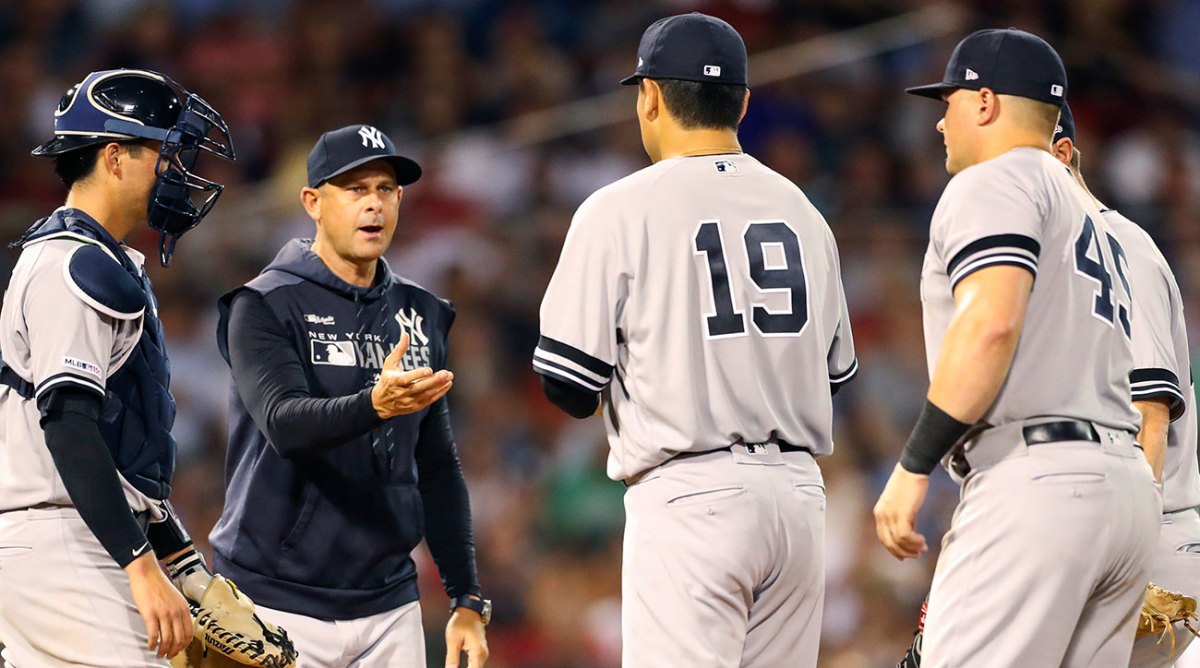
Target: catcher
(86, 440)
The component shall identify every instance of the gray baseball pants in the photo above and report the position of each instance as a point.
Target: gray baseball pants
(1048, 554)
(724, 561)
(63, 600)
(391, 639)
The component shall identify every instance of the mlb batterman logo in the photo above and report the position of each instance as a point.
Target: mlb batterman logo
(333, 353)
(712, 70)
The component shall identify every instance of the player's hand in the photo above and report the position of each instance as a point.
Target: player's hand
(464, 633)
(163, 608)
(896, 514)
(400, 392)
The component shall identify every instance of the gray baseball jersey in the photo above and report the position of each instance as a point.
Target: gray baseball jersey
(1046, 558)
(1161, 359)
(53, 334)
(709, 289)
(1025, 209)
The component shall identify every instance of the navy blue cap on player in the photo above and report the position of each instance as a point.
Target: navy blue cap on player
(1009, 62)
(1066, 124)
(339, 151)
(691, 47)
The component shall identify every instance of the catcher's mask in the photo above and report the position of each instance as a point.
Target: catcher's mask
(126, 104)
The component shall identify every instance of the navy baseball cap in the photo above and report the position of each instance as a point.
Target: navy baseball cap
(1009, 61)
(691, 47)
(1066, 124)
(339, 151)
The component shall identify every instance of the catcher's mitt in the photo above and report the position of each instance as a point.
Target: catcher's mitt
(198, 656)
(1161, 609)
(225, 623)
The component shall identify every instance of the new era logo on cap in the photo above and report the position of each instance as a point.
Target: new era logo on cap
(1008, 62)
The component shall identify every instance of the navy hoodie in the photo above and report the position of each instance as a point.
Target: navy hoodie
(327, 533)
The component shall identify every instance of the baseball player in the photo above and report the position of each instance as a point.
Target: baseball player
(1160, 355)
(701, 298)
(341, 456)
(86, 454)
(1168, 436)
(1048, 552)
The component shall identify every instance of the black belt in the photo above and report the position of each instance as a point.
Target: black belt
(1063, 430)
(142, 517)
(752, 448)
(784, 446)
(1039, 434)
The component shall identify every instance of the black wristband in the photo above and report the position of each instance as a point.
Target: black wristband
(932, 437)
(169, 536)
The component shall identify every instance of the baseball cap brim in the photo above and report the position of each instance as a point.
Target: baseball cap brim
(936, 91)
(407, 171)
(631, 79)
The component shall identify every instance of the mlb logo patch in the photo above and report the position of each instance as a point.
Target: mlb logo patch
(726, 167)
(1056, 90)
(332, 353)
(81, 365)
(712, 70)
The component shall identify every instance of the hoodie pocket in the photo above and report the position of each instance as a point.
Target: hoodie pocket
(302, 519)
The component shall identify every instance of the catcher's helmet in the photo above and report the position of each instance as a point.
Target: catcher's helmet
(115, 105)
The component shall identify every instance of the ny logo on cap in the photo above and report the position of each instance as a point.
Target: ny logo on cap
(971, 75)
(712, 70)
(373, 135)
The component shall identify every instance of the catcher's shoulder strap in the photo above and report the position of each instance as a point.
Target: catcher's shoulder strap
(8, 377)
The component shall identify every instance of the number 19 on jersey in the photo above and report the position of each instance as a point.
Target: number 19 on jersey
(785, 273)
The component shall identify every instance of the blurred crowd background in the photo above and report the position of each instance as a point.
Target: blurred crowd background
(469, 88)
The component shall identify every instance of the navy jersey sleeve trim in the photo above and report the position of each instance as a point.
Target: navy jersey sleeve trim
(999, 249)
(566, 375)
(836, 382)
(845, 376)
(571, 365)
(68, 380)
(1158, 383)
(992, 261)
(996, 241)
